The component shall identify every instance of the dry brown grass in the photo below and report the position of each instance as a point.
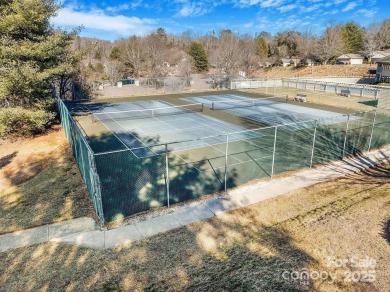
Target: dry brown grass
(247, 249)
(333, 101)
(323, 70)
(39, 183)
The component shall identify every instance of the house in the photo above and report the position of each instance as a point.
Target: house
(383, 70)
(295, 61)
(285, 62)
(290, 62)
(266, 64)
(350, 59)
(377, 55)
(308, 62)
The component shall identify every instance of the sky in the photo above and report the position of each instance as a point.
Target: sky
(113, 19)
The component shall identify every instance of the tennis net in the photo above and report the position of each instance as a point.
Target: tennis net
(227, 104)
(146, 113)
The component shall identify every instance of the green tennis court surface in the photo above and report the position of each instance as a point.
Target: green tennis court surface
(136, 156)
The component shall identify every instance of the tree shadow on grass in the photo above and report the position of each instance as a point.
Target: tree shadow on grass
(386, 231)
(42, 189)
(5, 160)
(236, 253)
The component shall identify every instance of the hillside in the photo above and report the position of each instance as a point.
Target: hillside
(322, 70)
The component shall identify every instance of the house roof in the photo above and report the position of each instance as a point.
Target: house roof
(385, 60)
(380, 54)
(351, 56)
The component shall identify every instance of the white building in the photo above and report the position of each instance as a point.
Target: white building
(383, 70)
(377, 55)
(291, 62)
(351, 59)
(308, 62)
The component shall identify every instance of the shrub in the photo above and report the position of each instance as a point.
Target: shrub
(18, 121)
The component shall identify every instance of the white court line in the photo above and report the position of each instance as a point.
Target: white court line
(187, 162)
(120, 140)
(129, 134)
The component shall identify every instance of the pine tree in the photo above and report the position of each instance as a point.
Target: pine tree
(352, 37)
(198, 53)
(33, 54)
(262, 47)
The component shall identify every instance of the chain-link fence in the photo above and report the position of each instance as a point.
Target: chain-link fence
(366, 91)
(84, 158)
(121, 183)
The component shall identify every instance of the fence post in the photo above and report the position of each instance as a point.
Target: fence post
(314, 142)
(273, 155)
(372, 132)
(345, 136)
(97, 189)
(167, 172)
(226, 160)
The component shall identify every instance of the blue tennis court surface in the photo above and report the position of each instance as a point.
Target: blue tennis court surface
(269, 111)
(145, 127)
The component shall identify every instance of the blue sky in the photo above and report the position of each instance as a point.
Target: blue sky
(111, 19)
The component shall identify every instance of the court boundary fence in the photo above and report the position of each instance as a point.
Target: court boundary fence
(86, 158)
(380, 93)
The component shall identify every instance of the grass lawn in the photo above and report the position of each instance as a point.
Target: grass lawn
(40, 183)
(245, 250)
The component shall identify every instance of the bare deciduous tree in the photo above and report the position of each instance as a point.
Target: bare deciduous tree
(330, 44)
(132, 54)
(185, 69)
(249, 58)
(371, 41)
(228, 53)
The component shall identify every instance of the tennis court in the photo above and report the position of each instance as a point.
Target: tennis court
(149, 128)
(271, 111)
(160, 152)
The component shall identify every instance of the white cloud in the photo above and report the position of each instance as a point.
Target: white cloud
(350, 6)
(287, 7)
(97, 19)
(367, 12)
(331, 12)
(261, 3)
(248, 25)
(118, 8)
(336, 2)
(192, 9)
(271, 3)
(187, 8)
(310, 8)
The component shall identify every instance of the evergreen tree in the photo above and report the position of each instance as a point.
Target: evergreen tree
(33, 54)
(352, 37)
(198, 53)
(262, 47)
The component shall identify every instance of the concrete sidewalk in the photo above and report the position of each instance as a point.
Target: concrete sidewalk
(83, 231)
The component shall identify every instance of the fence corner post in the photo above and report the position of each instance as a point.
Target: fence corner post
(273, 155)
(226, 159)
(167, 172)
(372, 131)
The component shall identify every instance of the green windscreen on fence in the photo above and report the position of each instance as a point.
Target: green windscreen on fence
(123, 182)
(129, 184)
(83, 156)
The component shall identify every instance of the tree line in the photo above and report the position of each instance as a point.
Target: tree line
(38, 60)
(149, 55)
